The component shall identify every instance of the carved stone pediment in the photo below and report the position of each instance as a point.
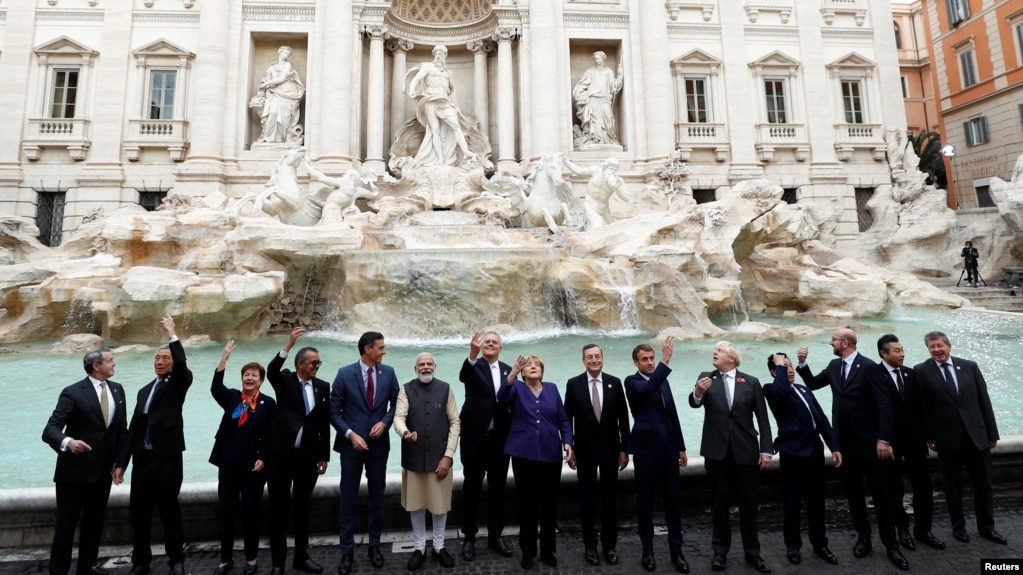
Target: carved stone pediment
(163, 48)
(65, 46)
(852, 60)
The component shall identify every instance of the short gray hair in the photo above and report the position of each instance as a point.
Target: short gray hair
(93, 357)
(933, 335)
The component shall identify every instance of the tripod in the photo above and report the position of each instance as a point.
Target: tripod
(978, 280)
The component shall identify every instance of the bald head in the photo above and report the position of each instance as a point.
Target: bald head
(843, 342)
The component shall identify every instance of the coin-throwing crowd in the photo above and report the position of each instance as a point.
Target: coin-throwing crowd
(885, 418)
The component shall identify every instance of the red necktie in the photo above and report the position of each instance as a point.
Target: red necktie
(369, 387)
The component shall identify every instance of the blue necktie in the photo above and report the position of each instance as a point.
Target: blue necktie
(305, 398)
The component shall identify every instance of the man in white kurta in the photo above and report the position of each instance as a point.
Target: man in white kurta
(427, 421)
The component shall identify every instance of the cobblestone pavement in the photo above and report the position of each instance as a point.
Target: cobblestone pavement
(959, 558)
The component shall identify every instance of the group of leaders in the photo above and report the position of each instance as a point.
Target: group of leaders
(885, 418)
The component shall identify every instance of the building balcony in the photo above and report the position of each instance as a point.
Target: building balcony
(689, 137)
(166, 134)
(771, 137)
(70, 133)
(851, 137)
(704, 6)
(831, 8)
(782, 7)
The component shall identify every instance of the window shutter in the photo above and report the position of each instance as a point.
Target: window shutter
(969, 133)
(983, 128)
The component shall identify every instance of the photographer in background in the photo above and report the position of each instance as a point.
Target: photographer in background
(970, 254)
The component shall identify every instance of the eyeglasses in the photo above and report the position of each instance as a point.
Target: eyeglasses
(316, 363)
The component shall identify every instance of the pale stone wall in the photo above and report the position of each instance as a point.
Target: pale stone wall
(534, 54)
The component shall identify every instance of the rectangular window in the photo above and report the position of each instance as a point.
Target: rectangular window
(696, 101)
(50, 217)
(774, 91)
(790, 195)
(1021, 115)
(958, 10)
(151, 200)
(863, 215)
(968, 67)
(852, 101)
(65, 93)
(1017, 30)
(976, 131)
(905, 87)
(162, 84)
(704, 196)
(984, 197)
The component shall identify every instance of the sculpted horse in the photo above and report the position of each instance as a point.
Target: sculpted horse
(544, 199)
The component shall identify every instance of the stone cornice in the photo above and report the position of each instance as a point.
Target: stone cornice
(771, 32)
(278, 12)
(165, 17)
(50, 15)
(438, 35)
(847, 34)
(596, 20)
(694, 30)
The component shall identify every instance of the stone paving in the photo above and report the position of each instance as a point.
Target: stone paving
(959, 558)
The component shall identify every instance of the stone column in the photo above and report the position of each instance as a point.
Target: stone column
(329, 107)
(206, 119)
(399, 49)
(14, 99)
(548, 115)
(480, 49)
(375, 99)
(654, 84)
(506, 159)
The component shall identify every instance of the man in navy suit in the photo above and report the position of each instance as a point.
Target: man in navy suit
(960, 426)
(862, 415)
(298, 449)
(801, 426)
(362, 404)
(156, 439)
(909, 448)
(86, 430)
(595, 404)
(731, 451)
(658, 450)
(484, 431)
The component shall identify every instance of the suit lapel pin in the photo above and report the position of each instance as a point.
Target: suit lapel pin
(739, 380)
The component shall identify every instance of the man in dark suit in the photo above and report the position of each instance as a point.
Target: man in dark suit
(298, 449)
(658, 450)
(362, 403)
(484, 431)
(909, 449)
(862, 415)
(156, 439)
(801, 426)
(86, 430)
(595, 404)
(960, 426)
(732, 455)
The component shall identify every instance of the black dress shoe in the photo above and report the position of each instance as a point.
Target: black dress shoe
(906, 540)
(416, 561)
(647, 561)
(591, 557)
(680, 563)
(144, 569)
(928, 538)
(793, 556)
(897, 558)
(307, 565)
(994, 537)
(717, 563)
(250, 569)
(501, 546)
(345, 566)
(960, 535)
(469, 549)
(221, 569)
(549, 559)
(861, 548)
(375, 556)
(443, 557)
(611, 556)
(758, 563)
(177, 569)
(826, 554)
(95, 570)
(526, 563)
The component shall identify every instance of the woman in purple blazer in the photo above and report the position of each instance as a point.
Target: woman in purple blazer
(540, 429)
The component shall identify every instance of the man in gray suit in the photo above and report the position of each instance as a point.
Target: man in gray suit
(732, 454)
(960, 426)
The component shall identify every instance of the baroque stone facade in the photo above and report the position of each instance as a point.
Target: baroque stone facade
(112, 103)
